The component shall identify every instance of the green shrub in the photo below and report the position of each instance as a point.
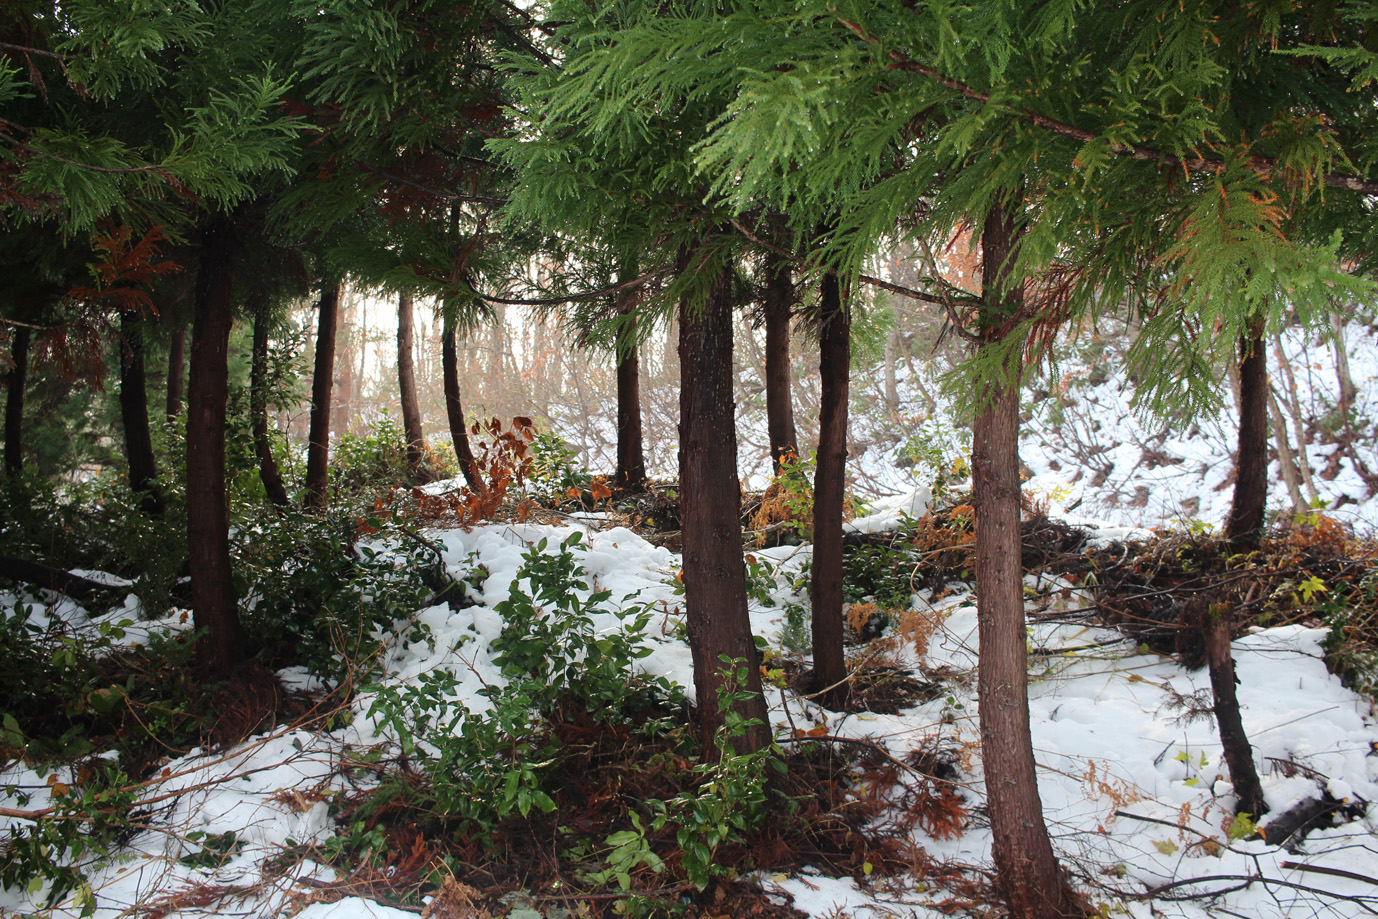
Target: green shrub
(316, 598)
(483, 767)
(365, 461)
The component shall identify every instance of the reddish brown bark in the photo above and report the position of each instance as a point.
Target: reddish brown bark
(1215, 625)
(779, 305)
(406, 388)
(1027, 872)
(322, 384)
(1250, 502)
(631, 454)
(710, 501)
(176, 369)
(825, 585)
(268, 471)
(214, 608)
(138, 442)
(454, 410)
(15, 383)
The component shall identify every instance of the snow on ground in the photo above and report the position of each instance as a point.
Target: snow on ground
(1134, 797)
(1088, 452)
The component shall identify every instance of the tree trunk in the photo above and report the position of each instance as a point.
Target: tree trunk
(1214, 623)
(1287, 460)
(406, 385)
(825, 586)
(710, 501)
(258, 405)
(176, 369)
(779, 305)
(892, 389)
(138, 442)
(1345, 379)
(1028, 875)
(631, 453)
(1245, 523)
(1293, 402)
(15, 382)
(342, 369)
(215, 611)
(454, 410)
(322, 383)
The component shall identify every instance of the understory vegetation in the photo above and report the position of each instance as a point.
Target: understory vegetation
(576, 778)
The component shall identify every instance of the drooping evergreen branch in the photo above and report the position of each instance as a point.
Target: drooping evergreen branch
(151, 168)
(1263, 166)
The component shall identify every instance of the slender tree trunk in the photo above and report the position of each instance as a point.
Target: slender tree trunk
(176, 370)
(322, 383)
(454, 410)
(1348, 391)
(1214, 623)
(1293, 402)
(214, 608)
(1028, 875)
(138, 442)
(825, 586)
(710, 502)
(258, 405)
(892, 389)
(406, 385)
(342, 369)
(631, 452)
(1245, 523)
(1286, 459)
(15, 382)
(779, 305)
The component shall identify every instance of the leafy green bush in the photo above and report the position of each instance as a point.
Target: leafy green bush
(316, 598)
(483, 767)
(86, 820)
(555, 466)
(364, 461)
(97, 524)
(731, 799)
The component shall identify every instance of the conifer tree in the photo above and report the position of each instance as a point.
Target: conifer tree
(1095, 149)
(594, 166)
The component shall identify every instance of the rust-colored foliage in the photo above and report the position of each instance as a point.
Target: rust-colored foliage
(505, 461)
(124, 269)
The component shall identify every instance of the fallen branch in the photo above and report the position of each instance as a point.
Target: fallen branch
(64, 582)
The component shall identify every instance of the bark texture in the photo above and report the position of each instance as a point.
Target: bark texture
(1245, 523)
(631, 452)
(779, 306)
(138, 442)
(268, 471)
(15, 382)
(710, 502)
(1027, 872)
(214, 608)
(454, 410)
(825, 584)
(322, 385)
(406, 388)
(1215, 623)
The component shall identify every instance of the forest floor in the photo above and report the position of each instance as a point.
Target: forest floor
(345, 801)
